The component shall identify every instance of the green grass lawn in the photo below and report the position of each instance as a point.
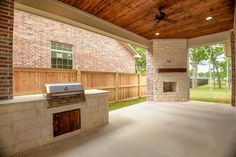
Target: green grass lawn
(203, 93)
(117, 105)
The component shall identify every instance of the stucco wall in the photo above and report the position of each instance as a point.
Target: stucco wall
(93, 52)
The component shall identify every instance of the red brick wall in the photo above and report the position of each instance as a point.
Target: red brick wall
(150, 74)
(93, 52)
(6, 31)
(233, 59)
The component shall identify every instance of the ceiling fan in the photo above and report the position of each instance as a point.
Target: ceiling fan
(162, 16)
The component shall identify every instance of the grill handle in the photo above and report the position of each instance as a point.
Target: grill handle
(65, 94)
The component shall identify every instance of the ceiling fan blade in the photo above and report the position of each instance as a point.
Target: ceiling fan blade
(156, 11)
(176, 11)
(155, 25)
(170, 21)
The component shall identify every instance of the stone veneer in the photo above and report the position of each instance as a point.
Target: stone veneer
(168, 53)
(6, 35)
(25, 124)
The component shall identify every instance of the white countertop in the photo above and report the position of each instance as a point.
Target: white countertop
(95, 91)
(38, 97)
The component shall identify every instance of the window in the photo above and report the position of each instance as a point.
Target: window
(61, 56)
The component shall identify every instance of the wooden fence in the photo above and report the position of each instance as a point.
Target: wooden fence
(123, 86)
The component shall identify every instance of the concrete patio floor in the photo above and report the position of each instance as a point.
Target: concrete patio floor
(191, 129)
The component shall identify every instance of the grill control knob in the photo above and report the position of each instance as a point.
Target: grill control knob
(66, 88)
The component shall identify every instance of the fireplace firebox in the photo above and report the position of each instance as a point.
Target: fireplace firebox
(169, 87)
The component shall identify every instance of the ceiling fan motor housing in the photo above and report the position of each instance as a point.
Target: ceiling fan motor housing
(160, 17)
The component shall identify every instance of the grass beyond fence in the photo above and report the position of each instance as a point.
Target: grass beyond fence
(122, 86)
(118, 105)
(203, 93)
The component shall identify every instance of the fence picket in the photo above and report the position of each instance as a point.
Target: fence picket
(123, 86)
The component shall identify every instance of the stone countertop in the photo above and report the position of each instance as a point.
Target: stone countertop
(95, 91)
(39, 97)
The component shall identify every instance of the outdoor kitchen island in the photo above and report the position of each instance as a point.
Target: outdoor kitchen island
(27, 121)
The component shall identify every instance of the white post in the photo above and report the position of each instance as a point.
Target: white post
(209, 55)
(78, 73)
(227, 74)
(210, 71)
(210, 79)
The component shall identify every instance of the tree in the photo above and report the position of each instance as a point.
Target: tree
(140, 64)
(214, 52)
(203, 75)
(197, 56)
(225, 71)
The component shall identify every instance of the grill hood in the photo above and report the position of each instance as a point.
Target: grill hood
(63, 89)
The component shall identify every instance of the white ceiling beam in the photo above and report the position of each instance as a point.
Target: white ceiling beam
(222, 37)
(62, 12)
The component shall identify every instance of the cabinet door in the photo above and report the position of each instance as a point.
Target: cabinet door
(75, 120)
(61, 123)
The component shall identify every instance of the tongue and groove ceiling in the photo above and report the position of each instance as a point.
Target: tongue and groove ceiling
(138, 16)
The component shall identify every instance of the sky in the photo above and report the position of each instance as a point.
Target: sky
(205, 68)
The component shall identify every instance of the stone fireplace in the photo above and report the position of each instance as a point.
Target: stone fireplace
(167, 70)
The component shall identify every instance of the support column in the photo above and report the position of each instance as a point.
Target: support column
(233, 58)
(150, 72)
(6, 37)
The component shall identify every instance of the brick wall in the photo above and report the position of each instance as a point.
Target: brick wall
(233, 61)
(150, 72)
(93, 52)
(6, 31)
(233, 58)
(168, 53)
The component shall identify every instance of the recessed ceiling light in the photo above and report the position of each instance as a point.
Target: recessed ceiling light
(209, 18)
(157, 34)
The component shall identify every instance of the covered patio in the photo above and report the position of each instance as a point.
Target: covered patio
(167, 29)
(155, 129)
(167, 125)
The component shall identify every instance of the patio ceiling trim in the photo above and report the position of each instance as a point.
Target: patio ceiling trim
(131, 50)
(222, 37)
(64, 13)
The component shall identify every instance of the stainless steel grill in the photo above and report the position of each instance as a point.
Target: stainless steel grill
(64, 93)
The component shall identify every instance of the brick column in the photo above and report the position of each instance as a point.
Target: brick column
(233, 58)
(6, 37)
(150, 72)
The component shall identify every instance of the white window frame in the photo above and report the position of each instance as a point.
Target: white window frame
(62, 51)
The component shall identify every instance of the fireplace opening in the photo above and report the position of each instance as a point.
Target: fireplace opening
(169, 87)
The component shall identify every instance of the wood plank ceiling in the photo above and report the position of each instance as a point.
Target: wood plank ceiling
(138, 16)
